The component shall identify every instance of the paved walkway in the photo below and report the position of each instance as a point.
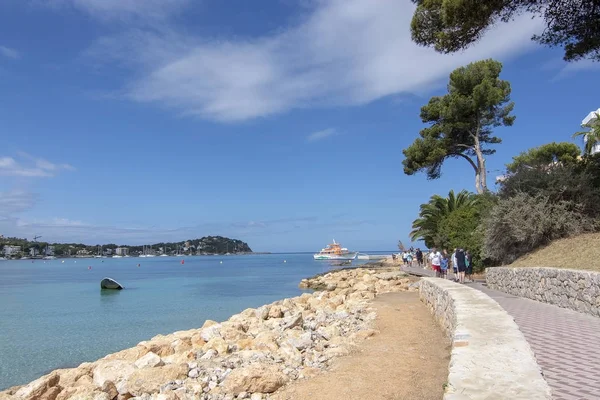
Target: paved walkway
(566, 343)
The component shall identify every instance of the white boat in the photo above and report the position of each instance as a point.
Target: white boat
(117, 256)
(335, 251)
(49, 258)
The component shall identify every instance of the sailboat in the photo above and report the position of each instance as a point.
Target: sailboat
(149, 254)
(164, 254)
(143, 252)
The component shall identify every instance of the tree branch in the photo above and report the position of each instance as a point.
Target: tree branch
(466, 158)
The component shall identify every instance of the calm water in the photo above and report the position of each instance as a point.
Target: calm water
(54, 315)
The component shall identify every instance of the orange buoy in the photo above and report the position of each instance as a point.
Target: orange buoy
(182, 262)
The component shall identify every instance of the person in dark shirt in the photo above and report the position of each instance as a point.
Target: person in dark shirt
(419, 255)
(469, 262)
(461, 265)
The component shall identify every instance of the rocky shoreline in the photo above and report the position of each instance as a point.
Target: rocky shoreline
(249, 356)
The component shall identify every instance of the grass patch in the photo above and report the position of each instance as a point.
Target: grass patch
(578, 252)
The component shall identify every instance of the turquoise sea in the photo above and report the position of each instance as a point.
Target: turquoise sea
(54, 315)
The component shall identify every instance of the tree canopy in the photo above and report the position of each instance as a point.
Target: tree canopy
(452, 25)
(545, 156)
(432, 213)
(461, 122)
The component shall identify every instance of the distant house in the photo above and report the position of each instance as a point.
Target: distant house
(11, 250)
(592, 119)
(50, 251)
(122, 251)
(33, 251)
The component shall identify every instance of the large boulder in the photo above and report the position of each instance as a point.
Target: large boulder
(115, 371)
(256, 378)
(149, 380)
(266, 340)
(44, 388)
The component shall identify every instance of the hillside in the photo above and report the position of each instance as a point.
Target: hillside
(205, 245)
(579, 252)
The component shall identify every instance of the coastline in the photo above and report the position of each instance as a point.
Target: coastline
(254, 352)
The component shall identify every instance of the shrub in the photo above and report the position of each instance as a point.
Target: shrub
(578, 184)
(523, 222)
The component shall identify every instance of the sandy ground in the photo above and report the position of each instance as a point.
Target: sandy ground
(408, 359)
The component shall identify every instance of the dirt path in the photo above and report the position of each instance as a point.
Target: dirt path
(408, 359)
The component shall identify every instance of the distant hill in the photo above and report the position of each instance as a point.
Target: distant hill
(577, 252)
(204, 245)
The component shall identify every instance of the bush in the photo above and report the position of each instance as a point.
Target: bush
(524, 222)
(577, 184)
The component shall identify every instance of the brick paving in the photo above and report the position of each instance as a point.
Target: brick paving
(566, 343)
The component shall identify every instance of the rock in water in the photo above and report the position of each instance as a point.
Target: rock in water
(256, 378)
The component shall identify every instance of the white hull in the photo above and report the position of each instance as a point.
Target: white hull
(349, 256)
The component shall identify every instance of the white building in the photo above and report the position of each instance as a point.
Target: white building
(122, 251)
(50, 250)
(11, 250)
(33, 251)
(592, 119)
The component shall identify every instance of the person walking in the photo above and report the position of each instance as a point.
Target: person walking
(419, 255)
(454, 267)
(444, 265)
(469, 262)
(436, 261)
(461, 265)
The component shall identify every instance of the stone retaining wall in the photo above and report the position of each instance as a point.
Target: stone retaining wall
(491, 358)
(574, 289)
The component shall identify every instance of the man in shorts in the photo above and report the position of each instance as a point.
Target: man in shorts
(436, 262)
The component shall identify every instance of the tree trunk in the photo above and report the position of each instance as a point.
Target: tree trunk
(480, 173)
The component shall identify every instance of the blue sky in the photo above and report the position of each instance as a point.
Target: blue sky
(278, 122)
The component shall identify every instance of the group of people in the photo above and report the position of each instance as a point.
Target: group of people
(461, 262)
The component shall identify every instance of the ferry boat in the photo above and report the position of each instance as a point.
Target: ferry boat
(335, 251)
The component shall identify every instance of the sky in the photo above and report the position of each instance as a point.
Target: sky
(277, 122)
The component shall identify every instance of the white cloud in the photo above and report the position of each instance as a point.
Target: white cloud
(15, 201)
(125, 9)
(30, 166)
(9, 53)
(572, 68)
(346, 52)
(320, 135)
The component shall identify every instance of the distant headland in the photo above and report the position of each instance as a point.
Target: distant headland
(17, 248)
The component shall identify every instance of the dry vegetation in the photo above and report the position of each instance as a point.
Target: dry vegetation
(579, 252)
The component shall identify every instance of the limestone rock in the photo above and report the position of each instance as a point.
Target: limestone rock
(255, 378)
(275, 312)
(292, 321)
(110, 389)
(115, 371)
(149, 380)
(150, 360)
(43, 388)
(217, 344)
(301, 341)
(210, 332)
